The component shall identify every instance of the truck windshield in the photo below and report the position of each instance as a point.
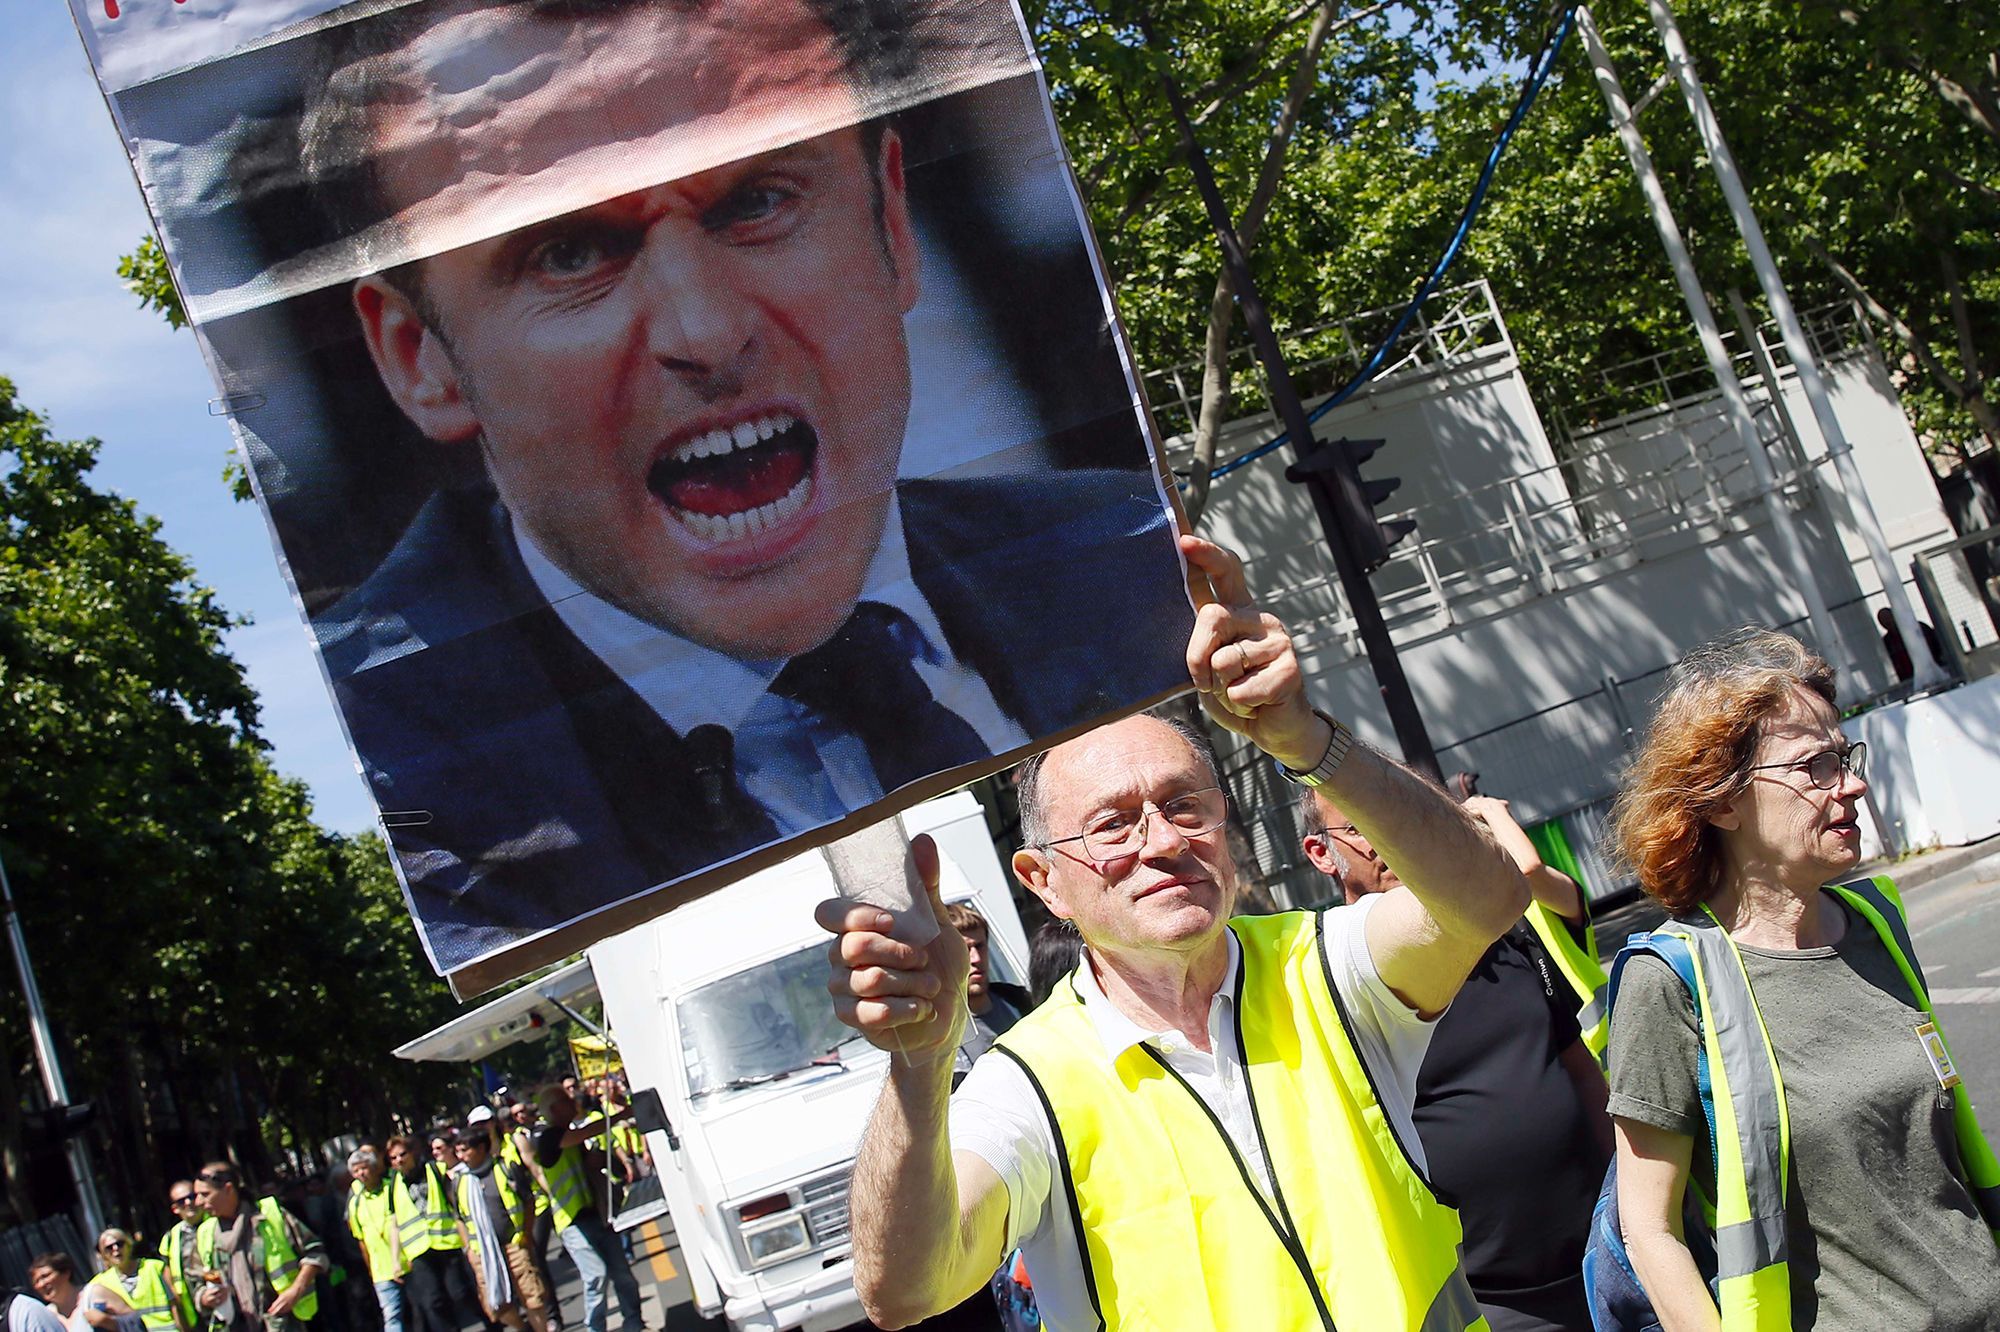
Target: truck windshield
(761, 1025)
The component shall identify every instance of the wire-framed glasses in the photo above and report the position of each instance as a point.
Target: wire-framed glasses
(1824, 768)
(1122, 832)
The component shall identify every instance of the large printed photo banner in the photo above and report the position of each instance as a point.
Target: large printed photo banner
(692, 429)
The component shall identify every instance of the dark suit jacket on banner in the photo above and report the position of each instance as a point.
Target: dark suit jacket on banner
(526, 785)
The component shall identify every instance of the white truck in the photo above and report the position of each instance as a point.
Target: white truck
(721, 1008)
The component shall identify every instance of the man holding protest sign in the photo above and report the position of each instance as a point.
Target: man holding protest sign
(1209, 1121)
(693, 610)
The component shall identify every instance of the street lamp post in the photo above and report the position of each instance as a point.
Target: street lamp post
(51, 1066)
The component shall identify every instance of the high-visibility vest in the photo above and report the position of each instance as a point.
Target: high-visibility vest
(371, 1219)
(281, 1260)
(1173, 1231)
(1750, 1124)
(1577, 961)
(468, 1186)
(431, 1224)
(148, 1297)
(567, 1183)
(511, 1154)
(176, 1246)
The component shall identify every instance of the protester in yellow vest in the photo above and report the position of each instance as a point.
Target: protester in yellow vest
(1559, 916)
(371, 1220)
(437, 1290)
(258, 1261)
(1796, 1077)
(517, 1147)
(1208, 1123)
(177, 1245)
(559, 1155)
(143, 1283)
(495, 1202)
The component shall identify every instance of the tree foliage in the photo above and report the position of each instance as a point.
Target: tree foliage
(223, 976)
(1865, 128)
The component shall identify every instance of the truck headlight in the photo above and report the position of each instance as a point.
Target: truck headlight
(775, 1239)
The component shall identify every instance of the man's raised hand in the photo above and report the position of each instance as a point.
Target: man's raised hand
(1241, 659)
(907, 999)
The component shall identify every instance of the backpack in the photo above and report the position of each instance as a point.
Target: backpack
(1617, 1302)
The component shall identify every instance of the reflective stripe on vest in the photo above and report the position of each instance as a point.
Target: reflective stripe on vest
(1751, 1127)
(1579, 966)
(431, 1224)
(281, 1260)
(1173, 1229)
(568, 1189)
(371, 1220)
(148, 1296)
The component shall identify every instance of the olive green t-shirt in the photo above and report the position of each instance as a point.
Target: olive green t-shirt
(1883, 1229)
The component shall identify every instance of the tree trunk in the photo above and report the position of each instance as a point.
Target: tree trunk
(1215, 352)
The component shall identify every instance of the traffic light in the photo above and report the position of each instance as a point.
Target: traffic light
(1333, 466)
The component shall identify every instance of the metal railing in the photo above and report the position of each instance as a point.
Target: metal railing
(1454, 325)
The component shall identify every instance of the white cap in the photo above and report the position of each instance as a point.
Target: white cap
(481, 1114)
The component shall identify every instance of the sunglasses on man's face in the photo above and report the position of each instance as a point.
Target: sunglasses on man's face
(184, 1200)
(111, 1246)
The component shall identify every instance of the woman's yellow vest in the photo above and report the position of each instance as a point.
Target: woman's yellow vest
(1752, 1131)
(148, 1296)
(1175, 1233)
(1578, 963)
(371, 1219)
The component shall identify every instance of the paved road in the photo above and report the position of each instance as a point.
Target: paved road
(1955, 924)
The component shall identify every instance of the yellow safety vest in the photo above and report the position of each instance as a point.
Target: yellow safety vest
(430, 1225)
(371, 1220)
(567, 1184)
(1580, 967)
(1752, 1129)
(1175, 1234)
(148, 1297)
(174, 1247)
(281, 1260)
(510, 1202)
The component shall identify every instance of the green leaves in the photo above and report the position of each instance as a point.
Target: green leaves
(193, 929)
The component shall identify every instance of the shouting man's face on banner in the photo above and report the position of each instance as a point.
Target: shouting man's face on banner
(690, 398)
(692, 428)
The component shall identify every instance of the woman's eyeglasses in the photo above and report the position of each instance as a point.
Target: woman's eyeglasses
(1824, 768)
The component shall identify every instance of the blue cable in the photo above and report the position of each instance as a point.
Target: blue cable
(1539, 73)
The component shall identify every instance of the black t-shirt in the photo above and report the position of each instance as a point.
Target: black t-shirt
(1506, 1135)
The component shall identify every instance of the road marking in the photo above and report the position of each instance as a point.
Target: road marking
(1987, 974)
(1985, 995)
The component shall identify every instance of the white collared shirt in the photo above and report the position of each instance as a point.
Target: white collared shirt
(997, 1115)
(803, 768)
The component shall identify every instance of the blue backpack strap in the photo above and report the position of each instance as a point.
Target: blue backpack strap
(1674, 951)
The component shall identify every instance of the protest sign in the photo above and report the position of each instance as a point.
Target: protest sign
(692, 429)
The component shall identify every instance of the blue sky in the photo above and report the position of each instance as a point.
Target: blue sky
(81, 352)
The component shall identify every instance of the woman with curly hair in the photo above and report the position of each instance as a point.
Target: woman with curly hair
(1773, 1044)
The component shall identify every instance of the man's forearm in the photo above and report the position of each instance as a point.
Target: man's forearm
(908, 1240)
(1465, 881)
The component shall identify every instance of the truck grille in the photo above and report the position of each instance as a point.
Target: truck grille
(824, 1199)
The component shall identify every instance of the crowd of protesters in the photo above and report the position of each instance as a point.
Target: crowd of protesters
(433, 1232)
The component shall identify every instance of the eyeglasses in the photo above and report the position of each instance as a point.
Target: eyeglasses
(1824, 768)
(182, 1200)
(1117, 833)
(111, 1246)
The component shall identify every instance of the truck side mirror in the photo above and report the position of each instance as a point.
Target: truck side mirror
(649, 1116)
